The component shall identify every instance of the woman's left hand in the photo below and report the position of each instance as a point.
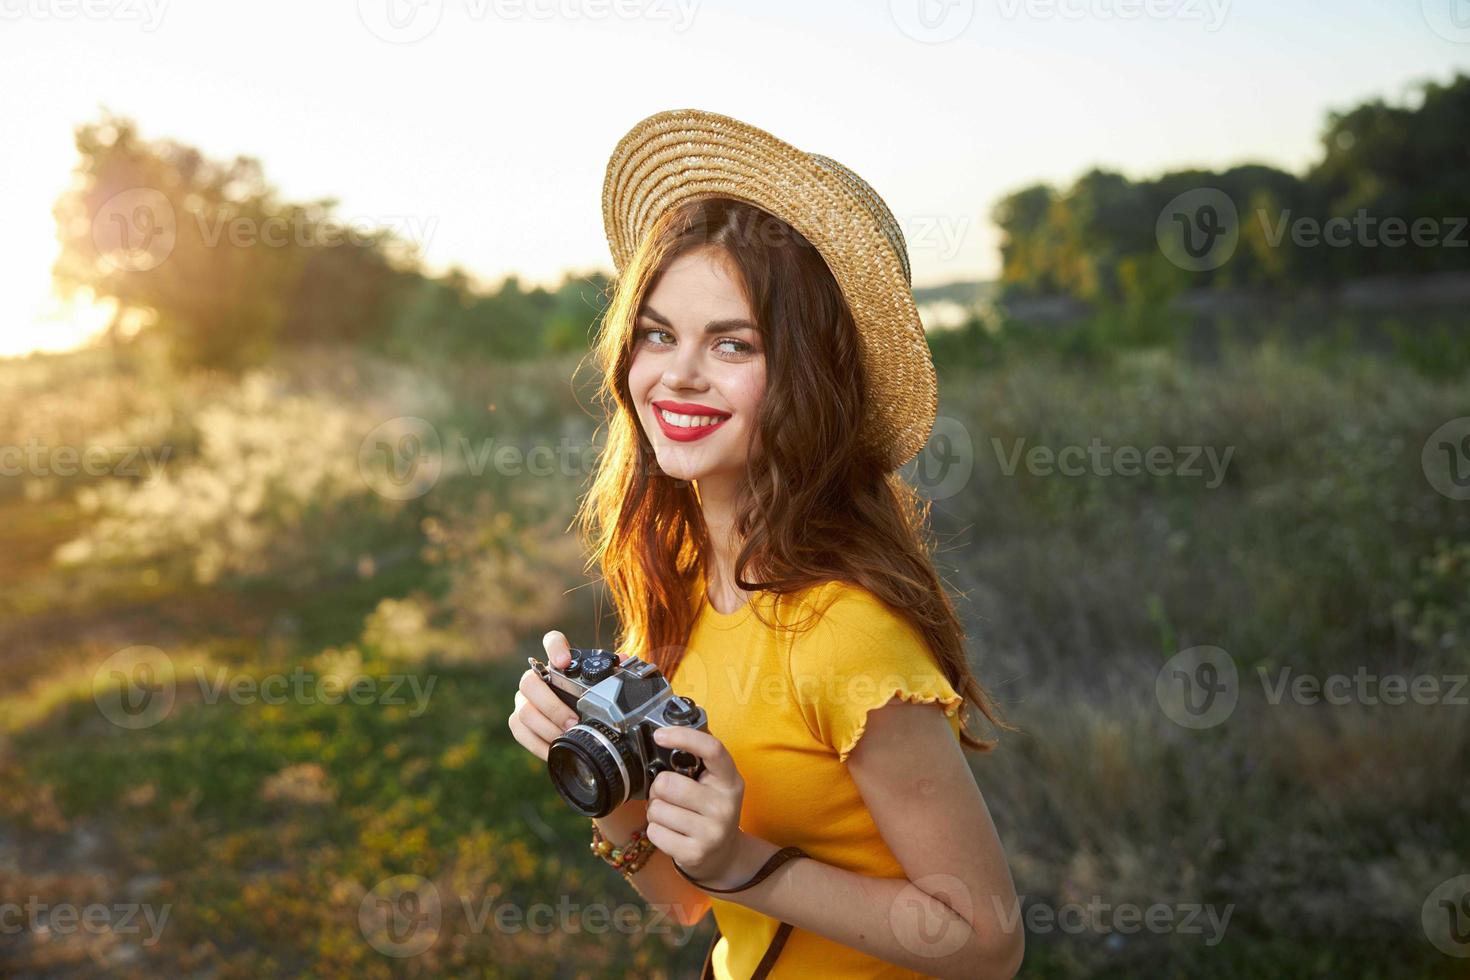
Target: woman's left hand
(697, 823)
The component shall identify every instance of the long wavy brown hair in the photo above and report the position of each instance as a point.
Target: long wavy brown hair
(816, 506)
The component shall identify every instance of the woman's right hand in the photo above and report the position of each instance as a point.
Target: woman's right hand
(539, 715)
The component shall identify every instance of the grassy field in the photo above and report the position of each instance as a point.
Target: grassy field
(254, 835)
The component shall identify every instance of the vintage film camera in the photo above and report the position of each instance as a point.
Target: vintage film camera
(610, 756)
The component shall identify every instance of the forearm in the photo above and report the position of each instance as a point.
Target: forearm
(889, 918)
(656, 882)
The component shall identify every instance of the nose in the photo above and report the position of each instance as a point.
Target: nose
(683, 370)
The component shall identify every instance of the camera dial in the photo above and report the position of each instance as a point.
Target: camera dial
(597, 666)
(681, 711)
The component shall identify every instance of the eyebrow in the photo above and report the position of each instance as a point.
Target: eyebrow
(714, 326)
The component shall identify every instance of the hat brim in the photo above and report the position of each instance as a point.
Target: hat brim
(682, 154)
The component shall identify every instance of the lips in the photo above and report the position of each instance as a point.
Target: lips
(680, 433)
(690, 408)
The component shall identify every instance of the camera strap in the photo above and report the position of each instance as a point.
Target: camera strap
(762, 969)
(782, 932)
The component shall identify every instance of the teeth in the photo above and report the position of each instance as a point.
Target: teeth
(689, 421)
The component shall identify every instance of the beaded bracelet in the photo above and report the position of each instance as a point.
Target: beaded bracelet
(630, 857)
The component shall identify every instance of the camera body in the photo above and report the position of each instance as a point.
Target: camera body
(610, 756)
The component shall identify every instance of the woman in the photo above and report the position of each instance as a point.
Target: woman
(766, 375)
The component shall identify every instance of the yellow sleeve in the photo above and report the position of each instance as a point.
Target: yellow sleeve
(857, 656)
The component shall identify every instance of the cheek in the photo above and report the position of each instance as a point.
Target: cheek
(748, 391)
(641, 376)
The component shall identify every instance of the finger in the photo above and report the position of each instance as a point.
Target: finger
(680, 790)
(680, 847)
(540, 695)
(557, 648)
(530, 742)
(540, 725)
(710, 749)
(676, 818)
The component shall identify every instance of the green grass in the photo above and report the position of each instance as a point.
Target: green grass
(265, 826)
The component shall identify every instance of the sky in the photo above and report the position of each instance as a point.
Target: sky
(480, 129)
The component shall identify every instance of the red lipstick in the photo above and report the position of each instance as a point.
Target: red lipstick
(680, 433)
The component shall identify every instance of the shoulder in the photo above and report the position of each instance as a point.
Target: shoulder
(847, 623)
(846, 607)
(858, 654)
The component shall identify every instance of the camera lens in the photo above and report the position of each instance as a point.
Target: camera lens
(592, 768)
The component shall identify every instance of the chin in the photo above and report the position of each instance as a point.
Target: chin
(680, 467)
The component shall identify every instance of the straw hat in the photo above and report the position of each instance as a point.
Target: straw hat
(680, 154)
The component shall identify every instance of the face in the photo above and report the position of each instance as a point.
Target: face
(699, 369)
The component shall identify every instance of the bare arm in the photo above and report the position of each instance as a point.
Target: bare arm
(657, 881)
(956, 913)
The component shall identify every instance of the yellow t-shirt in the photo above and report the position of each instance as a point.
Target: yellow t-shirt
(790, 707)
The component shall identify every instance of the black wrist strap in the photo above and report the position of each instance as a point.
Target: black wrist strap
(772, 863)
(762, 969)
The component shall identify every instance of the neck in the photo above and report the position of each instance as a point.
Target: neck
(717, 502)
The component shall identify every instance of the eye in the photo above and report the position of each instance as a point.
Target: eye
(644, 333)
(741, 347)
(736, 349)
